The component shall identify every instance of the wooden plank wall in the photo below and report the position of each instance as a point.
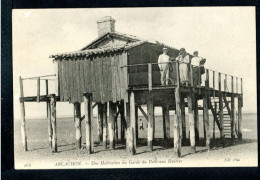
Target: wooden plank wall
(100, 75)
(144, 54)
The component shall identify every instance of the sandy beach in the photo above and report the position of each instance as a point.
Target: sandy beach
(238, 153)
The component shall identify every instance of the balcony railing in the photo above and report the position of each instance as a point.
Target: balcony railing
(214, 80)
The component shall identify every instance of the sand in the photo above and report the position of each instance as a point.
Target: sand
(238, 153)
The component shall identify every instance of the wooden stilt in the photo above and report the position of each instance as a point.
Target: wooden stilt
(122, 117)
(164, 125)
(23, 122)
(47, 92)
(49, 125)
(206, 120)
(53, 122)
(88, 122)
(177, 142)
(232, 118)
(77, 121)
(221, 118)
(191, 123)
(136, 121)
(132, 131)
(240, 118)
(129, 134)
(166, 119)
(176, 131)
(196, 119)
(116, 129)
(204, 128)
(150, 113)
(111, 124)
(104, 111)
(183, 122)
(100, 123)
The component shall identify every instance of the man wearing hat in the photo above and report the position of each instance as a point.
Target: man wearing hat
(195, 61)
(184, 59)
(198, 64)
(164, 67)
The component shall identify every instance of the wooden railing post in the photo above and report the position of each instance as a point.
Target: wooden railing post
(213, 83)
(219, 81)
(242, 92)
(199, 81)
(23, 122)
(150, 82)
(191, 75)
(225, 83)
(207, 78)
(38, 89)
(236, 84)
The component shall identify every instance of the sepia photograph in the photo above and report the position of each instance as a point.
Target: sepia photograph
(97, 88)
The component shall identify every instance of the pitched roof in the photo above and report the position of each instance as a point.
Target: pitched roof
(128, 37)
(88, 51)
(96, 51)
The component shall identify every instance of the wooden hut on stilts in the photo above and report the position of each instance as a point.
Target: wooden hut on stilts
(119, 74)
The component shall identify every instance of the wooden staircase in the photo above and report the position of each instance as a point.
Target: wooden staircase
(214, 106)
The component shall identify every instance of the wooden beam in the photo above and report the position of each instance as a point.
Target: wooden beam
(225, 83)
(100, 123)
(196, 119)
(53, 122)
(38, 89)
(240, 118)
(94, 105)
(166, 119)
(104, 110)
(221, 118)
(47, 92)
(129, 133)
(132, 129)
(111, 124)
(77, 121)
(50, 133)
(232, 118)
(206, 120)
(191, 123)
(136, 121)
(183, 121)
(150, 113)
(142, 111)
(219, 81)
(123, 121)
(176, 134)
(88, 122)
(23, 122)
(150, 81)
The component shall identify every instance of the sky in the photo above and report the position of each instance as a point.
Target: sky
(225, 36)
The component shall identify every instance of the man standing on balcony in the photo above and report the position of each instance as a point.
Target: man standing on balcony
(164, 68)
(198, 65)
(184, 59)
